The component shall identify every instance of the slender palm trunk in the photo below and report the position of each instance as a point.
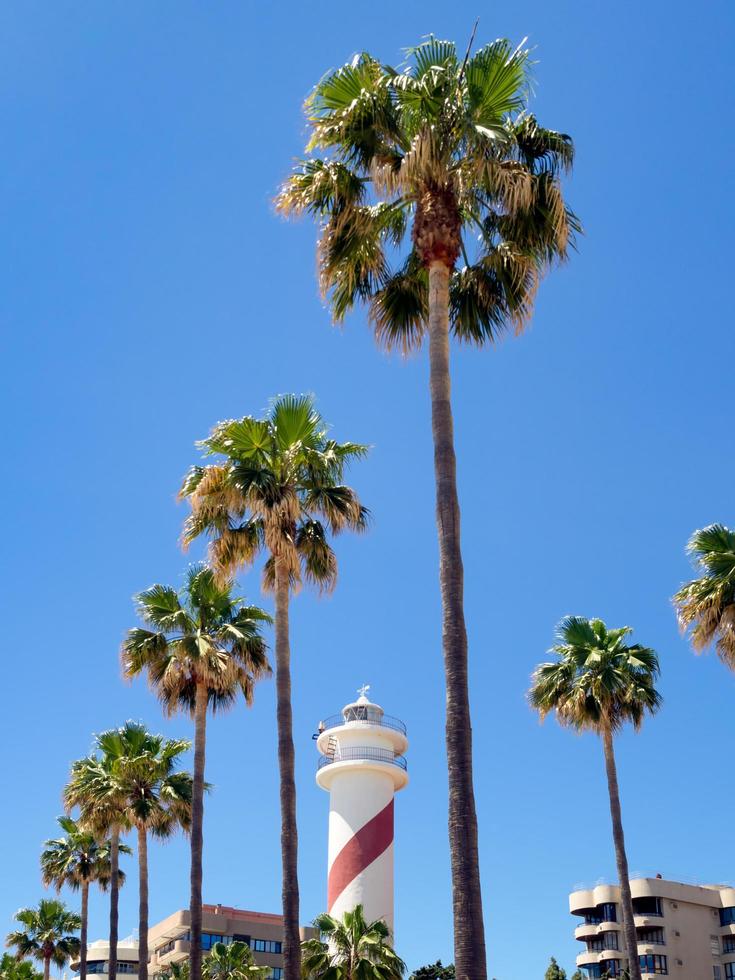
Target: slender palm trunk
(114, 897)
(83, 930)
(289, 833)
(142, 904)
(197, 816)
(630, 943)
(469, 931)
(46, 966)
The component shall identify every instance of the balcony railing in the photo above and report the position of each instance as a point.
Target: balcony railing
(357, 752)
(383, 721)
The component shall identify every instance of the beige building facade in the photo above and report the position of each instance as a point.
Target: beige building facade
(169, 940)
(683, 931)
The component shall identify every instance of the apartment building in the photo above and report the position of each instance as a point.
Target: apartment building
(98, 958)
(168, 941)
(683, 931)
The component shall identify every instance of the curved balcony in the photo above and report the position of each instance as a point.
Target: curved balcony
(588, 958)
(586, 931)
(365, 753)
(362, 716)
(643, 920)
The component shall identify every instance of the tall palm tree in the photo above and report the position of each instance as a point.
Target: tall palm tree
(280, 489)
(94, 788)
(46, 934)
(76, 860)
(443, 156)
(204, 646)
(599, 683)
(156, 799)
(351, 949)
(706, 605)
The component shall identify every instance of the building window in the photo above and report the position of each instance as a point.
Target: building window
(265, 945)
(727, 916)
(607, 912)
(648, 906)
(716, 973)
(653, 963)
(239, 938)
(729, 971)
(608, 940)
(728, 944)
(653, 936)
(714, 945)
(275, 974)
(102, 966)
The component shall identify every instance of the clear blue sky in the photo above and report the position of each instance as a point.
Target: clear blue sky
(148, 291)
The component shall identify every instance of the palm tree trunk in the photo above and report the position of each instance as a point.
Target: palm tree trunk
(46, 967)
(197, 817)
(142, 904)
(83, 930)
(469, 931)
(114, 897)
(289, 833)
(630, 943)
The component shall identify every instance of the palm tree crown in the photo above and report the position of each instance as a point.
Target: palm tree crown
(46, 934)
(14, 969)
(232, 961)
(706, 605)
(77, 857)
(444, 149)
(351, 949)
(205, 633)
(279, 487)
(154, 794)
(598, 680)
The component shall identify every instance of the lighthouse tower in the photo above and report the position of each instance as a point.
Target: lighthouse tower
(361, 765)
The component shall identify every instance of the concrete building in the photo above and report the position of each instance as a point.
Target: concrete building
(169, 941)
(362, 766)
(98, 958)
(683, 931)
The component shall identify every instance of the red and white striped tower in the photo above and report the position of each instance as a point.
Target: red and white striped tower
(361, 764)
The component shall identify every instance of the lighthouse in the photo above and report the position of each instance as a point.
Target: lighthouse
(361, 765)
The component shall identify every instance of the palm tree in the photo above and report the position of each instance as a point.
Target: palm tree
(173, 971)
(232, 961)
(156, 799)
(76, 860)
(598, 683)
(205, 646)
(707, 604)
(279, 488)
(444, 150)
(94, 787)
(351, 949)
(13, 969)
(47, 934)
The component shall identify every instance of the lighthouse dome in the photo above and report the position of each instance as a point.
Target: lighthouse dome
(363, 709)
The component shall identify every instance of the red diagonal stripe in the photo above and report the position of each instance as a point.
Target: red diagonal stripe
(359, 852)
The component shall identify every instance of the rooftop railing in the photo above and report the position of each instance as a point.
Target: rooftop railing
(356, 717)
(357, 752)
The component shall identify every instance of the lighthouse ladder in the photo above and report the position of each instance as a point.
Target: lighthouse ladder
(331, 747)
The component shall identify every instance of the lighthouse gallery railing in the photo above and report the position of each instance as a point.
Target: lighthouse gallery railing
(384, 721)
(356, 752)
